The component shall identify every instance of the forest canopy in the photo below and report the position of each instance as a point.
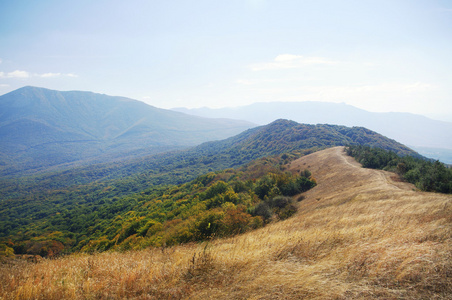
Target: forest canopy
(215, 204)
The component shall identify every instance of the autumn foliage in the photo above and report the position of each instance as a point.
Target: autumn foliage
(357, 235)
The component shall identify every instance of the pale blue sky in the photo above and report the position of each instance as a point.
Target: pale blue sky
(377, 55)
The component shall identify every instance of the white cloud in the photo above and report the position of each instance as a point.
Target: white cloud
(15, 74)
(53, 75)
(291, 61)
(24, 74)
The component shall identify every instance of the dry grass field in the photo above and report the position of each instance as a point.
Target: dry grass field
(359, 234)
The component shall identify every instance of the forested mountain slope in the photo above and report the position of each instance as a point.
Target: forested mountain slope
(41, 128)
(430, 136)
(84, 196)
(178, 167)
(224, 203)
(359, 234)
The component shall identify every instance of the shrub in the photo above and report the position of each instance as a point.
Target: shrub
(6, 251)
(280, 201)
(287, 211)
(263, 210)
(209, 225)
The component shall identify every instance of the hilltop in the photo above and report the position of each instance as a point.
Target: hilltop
(359, 234)
(429, 137)
(176, 167)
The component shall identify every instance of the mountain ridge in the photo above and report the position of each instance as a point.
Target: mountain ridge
(416, 131)
(37, 125)
(177, 167)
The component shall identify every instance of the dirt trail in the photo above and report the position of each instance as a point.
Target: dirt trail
(340, 178)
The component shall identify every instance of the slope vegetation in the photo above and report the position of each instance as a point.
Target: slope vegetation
(38, 206)
(216, 204)
(410, 129)
(177, 167)
(359, 234)
(41, 128)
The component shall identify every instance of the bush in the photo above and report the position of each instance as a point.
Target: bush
(263, 210)
(287, 211)
(281, 206)
(280, 202)
(209, 225)
(6, 251)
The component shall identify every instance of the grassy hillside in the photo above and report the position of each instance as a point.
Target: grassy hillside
(359, 234)
(73, 208)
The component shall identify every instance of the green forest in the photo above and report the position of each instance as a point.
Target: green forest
(216, 189)
(216, 204)
(427, 175)
(177, 167)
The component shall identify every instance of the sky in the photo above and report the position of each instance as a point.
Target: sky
(381, 56)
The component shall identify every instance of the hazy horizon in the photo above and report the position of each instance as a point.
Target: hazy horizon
(256, 103)
(385, 56)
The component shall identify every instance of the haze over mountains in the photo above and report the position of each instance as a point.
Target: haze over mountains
(429, 137)
(41, 128)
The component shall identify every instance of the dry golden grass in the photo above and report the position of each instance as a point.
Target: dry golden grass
(357, 235)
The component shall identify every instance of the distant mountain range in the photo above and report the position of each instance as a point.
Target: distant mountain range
(44, 130)
(429, 137)
(41, 129)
